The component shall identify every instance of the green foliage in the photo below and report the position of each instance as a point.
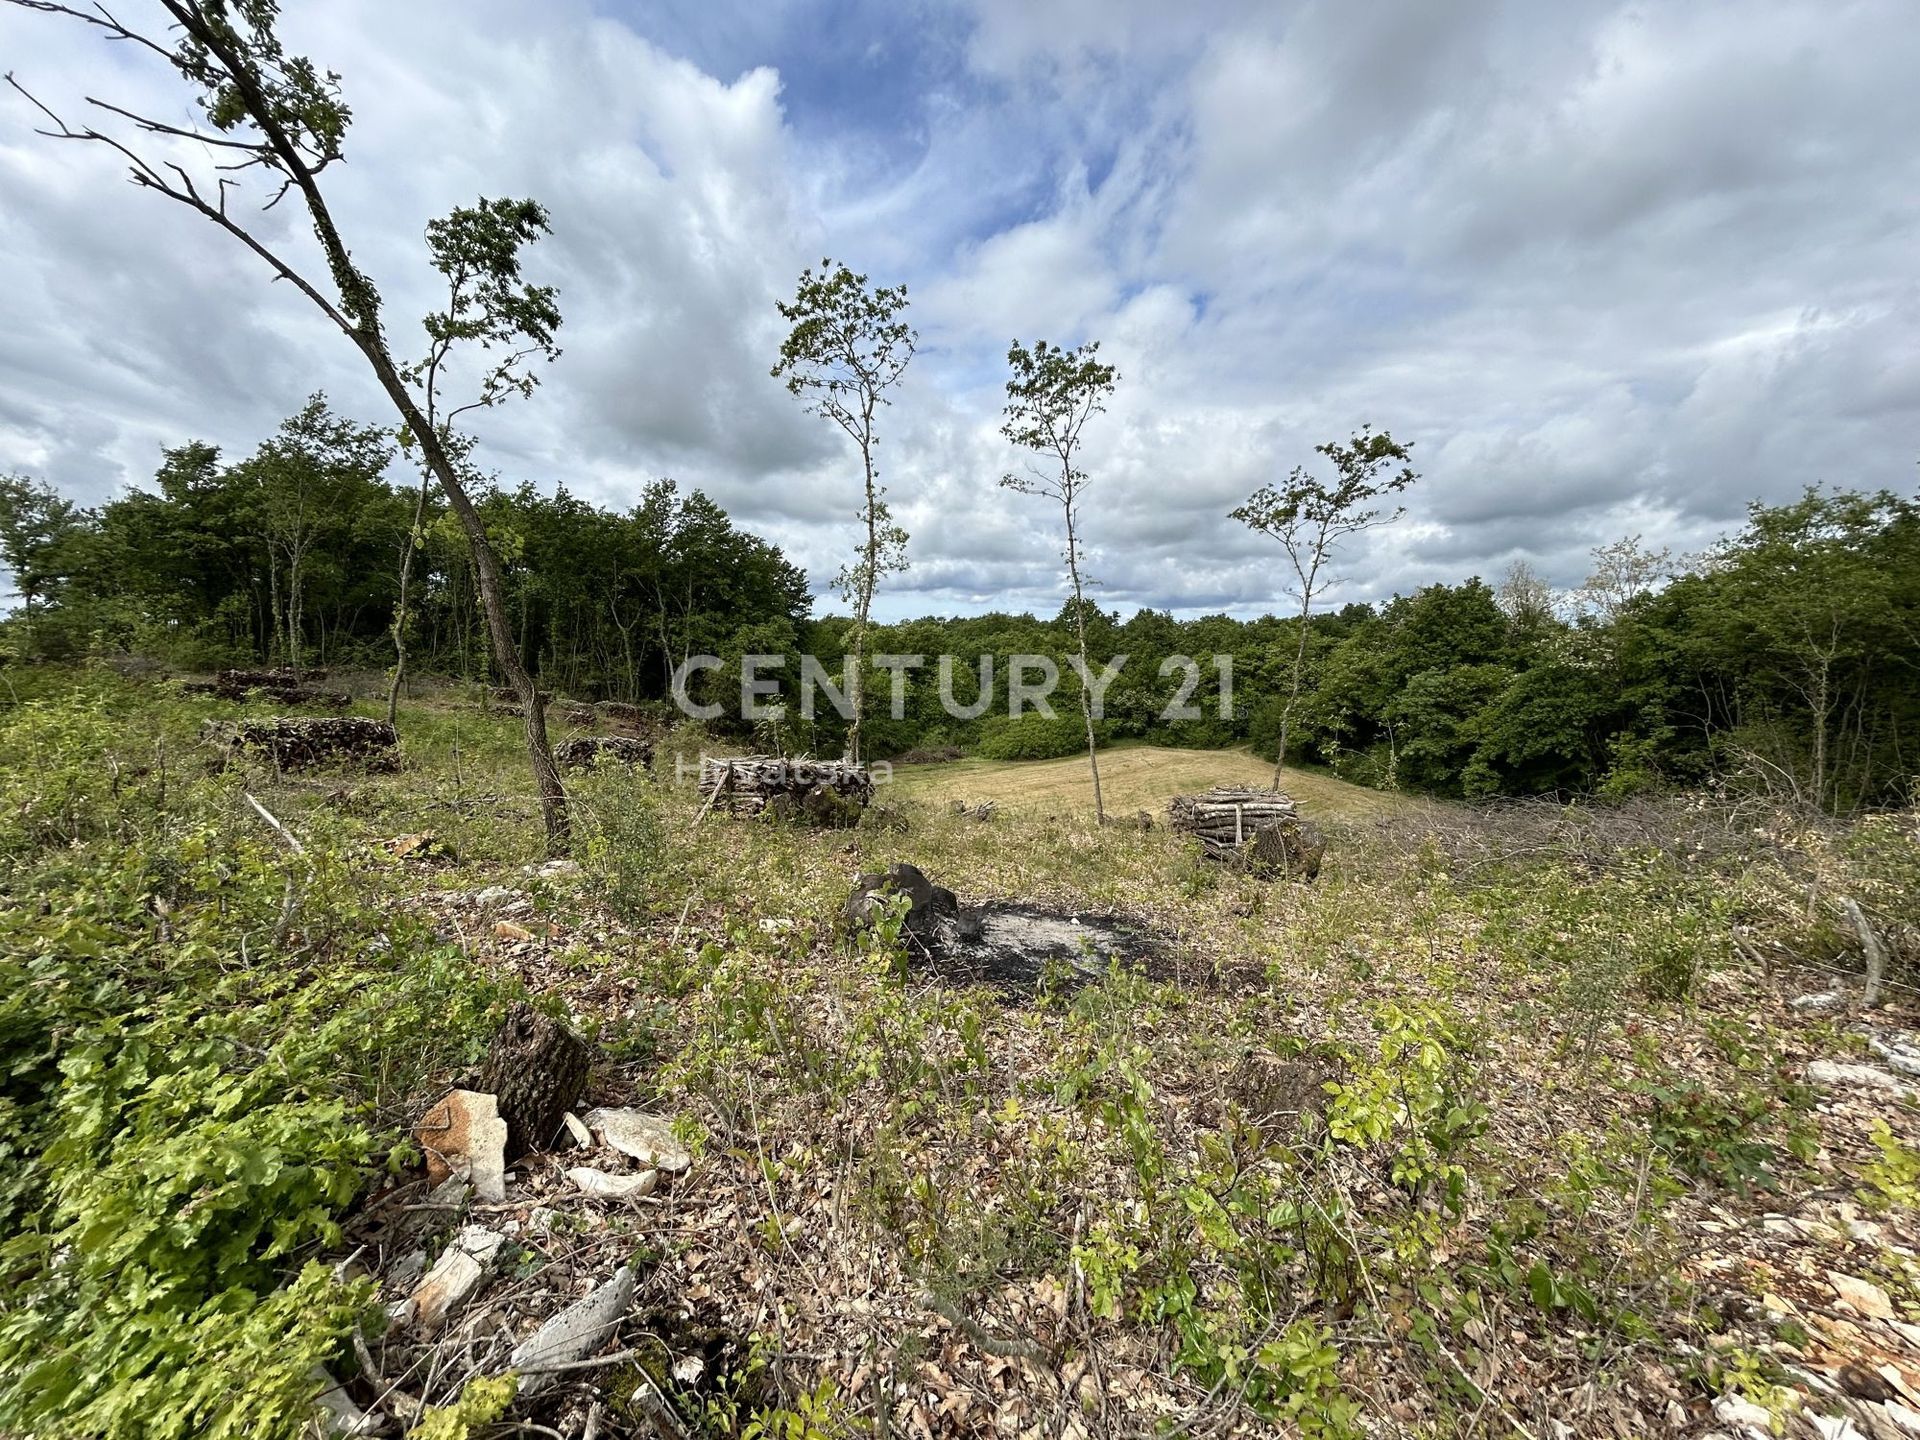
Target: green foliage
(1033, 736)
(195, 1042)
(626, 846)
(483, 1400)
(1411, 1103)
(1725, 1133)
(1893, 1181)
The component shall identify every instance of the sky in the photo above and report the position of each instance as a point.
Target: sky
(1612, 269)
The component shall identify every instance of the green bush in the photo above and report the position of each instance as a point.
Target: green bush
(196, 1048)
(1036, 737)
(626, 846)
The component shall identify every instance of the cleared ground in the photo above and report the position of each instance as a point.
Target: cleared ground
(1139, 777)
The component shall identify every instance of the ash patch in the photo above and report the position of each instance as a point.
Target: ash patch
(1024, 950)
(1020, 950)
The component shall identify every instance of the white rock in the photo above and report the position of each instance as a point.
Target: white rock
(335, 1414)
(578, 1130)
(555, 869)
(647, 1138)
(1746, 1417)
(602, 1186)
(1864, 1077)
(1837, 1427)
(459, 1272)
(1819, 1000)
(465, 1138)
(1898, 1053)
(575, 1333)
(1905, 1417)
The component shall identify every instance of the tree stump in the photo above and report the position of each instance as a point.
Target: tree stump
(537, 1069)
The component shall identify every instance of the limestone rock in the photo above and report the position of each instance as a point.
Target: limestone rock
(456, 1276)
(575, 1333)
(647, 1138)
(602, 1186)
(1864, 1077)
(335, 1415)
(465, 1138)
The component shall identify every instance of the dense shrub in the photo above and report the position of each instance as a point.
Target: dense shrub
(1035, 737)
(197, 1041)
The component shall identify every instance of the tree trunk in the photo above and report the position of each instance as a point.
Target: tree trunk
(857, 689)
(276, 647)
(506, 655)
(295, 617)
(1293, 695)
(1086, 696)
(400, 607)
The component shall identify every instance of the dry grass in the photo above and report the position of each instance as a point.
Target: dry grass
(1142, 777)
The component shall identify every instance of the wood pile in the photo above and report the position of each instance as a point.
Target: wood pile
(280, 685)
(1259, 828)
(646, 719)
(831, 793)
(297, 743)
(585, 752)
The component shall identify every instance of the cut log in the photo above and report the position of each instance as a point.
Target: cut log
(830, 793)
(585, 752)
(298, 743)
(538, 1070)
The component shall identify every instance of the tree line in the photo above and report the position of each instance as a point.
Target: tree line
(1784, 657)
(292, 556)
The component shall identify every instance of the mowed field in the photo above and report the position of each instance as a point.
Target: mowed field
(1136, 777)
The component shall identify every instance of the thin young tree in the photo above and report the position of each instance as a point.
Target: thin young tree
(307, 478)
(282, 117)
(1051, 395)
(848, 347)
(402, 614)
(1310, 518)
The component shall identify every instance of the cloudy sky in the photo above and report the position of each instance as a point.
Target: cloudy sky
(1613, 269)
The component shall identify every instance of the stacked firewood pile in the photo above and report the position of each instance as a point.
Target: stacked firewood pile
(1261, 829)
(281, 685)
(584, 752)
(507, 695)
(831, 793)
(647, 720)
(295, 743)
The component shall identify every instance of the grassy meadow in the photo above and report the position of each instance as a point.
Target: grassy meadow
(1132, 778)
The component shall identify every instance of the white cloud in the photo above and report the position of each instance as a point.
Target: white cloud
(1613, 268)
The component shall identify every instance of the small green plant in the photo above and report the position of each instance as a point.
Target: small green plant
(1722, 1134)
(483, 1400)
(1411, 1102)
(626, 846)
(1894, 1179)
